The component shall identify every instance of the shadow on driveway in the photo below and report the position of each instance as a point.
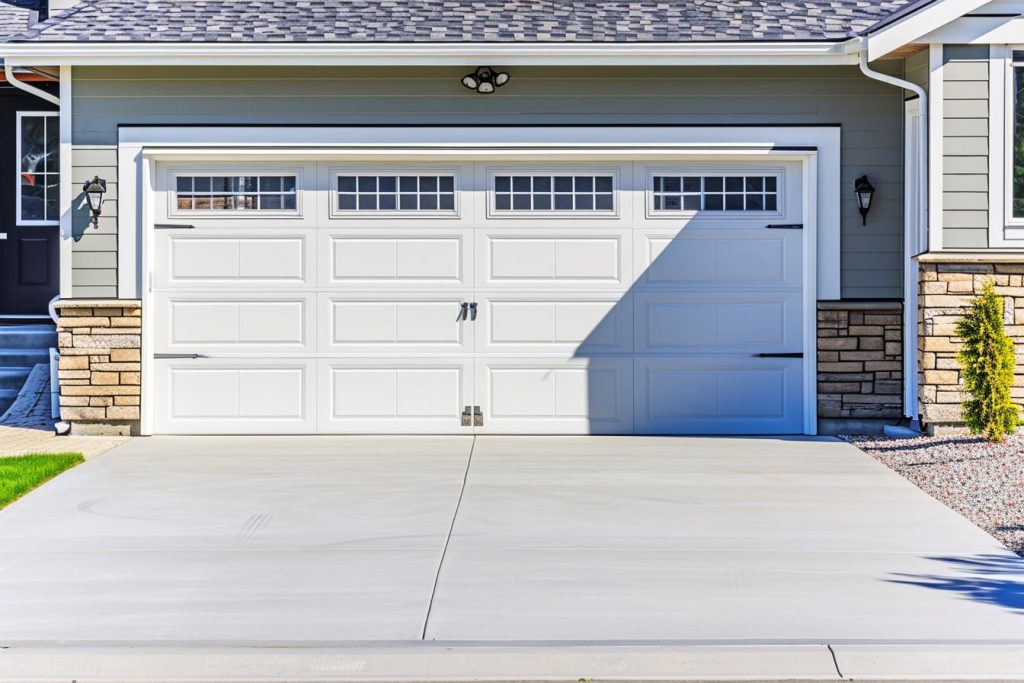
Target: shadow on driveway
(990, 579)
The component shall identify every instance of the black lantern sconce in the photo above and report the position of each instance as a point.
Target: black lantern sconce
(94, 190)
(865, 193)
(485, 80)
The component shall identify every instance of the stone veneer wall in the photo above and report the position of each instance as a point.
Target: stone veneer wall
(948, 283)
(100, 345)
(860, 360)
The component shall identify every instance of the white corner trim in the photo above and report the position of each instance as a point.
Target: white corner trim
(67, 194)
(936, 160)
(406, 54)
(812, 288)
(914, 216)
(131, 177)
(914, 26)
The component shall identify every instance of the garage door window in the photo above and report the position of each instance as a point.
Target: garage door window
(236, 193)
(554, 193)
(747, 193)
(401, 193)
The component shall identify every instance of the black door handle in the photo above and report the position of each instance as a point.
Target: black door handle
(462, 312)
(472, 311)
(778, 355)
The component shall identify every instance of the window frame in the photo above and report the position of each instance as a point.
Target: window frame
(335, 172)
(19, 221)
(705, 171)
(1009, 221)
(232, 171)
(494, 213)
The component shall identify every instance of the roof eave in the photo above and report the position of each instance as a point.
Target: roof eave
(434, 54)
(892, 35)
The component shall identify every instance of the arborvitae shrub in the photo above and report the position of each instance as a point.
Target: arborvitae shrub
(988, 362)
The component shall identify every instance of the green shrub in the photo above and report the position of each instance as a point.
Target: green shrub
(988, 363)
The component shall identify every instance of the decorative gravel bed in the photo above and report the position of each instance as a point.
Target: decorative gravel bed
(984, 482)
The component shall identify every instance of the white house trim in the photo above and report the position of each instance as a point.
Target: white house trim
(67, 193)
(419, 54)
(936, 161)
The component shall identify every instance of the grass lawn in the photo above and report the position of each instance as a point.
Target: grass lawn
(21, 473)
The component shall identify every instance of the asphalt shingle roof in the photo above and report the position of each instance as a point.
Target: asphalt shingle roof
(435, 21)
(13, 20)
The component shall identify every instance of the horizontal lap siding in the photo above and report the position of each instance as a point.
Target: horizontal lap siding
(870, 114)
(965, 146)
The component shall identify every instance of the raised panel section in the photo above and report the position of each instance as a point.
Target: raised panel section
(718, 322)
(551, 396)
(194, 258)
(429, 258)
(762, 258)
(564, 260)
(377, 324)
(393, 395)
(709, 395)
(209, 396)
(574, 325)
(273, 324)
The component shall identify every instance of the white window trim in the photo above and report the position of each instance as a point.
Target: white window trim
(1004, 229)
(227, 214)
(652, 171)
(552, 171)
(55, 115)
(336, 212)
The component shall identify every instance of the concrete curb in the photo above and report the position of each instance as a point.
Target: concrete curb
(404, 663)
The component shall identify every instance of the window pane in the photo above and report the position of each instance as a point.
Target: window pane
(400, 193)
(1018, 145)
(33, 144)
(32, 198)
(347, 202)
(238, 193)
(554, 193)
(711, 193)
(388, 202)
(52, 145)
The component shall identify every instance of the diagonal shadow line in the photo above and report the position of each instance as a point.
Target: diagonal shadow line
(990, 579)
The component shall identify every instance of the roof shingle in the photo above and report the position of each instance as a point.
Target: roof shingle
(436, 21)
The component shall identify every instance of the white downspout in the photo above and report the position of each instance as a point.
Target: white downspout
(912, 244)
(30, 89)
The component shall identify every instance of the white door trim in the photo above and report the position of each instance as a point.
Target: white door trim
(818, 151)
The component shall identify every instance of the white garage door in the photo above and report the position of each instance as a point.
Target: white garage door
(649, 298)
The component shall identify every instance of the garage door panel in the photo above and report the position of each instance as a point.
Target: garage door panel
(419, 396)
(390, 259)
(715, 395)
(236, 396)
(555, 258)
(567, 324)
(719, 322)
(736, 259)
(555, 396)
(407, 323)
(243, 323)
(234, 258)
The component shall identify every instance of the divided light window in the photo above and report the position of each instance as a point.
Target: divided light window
(716, 193)
(38, 152)
(237, 192)
(396, 192)
(554, 193)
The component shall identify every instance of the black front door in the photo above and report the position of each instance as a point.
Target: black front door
(29, 238)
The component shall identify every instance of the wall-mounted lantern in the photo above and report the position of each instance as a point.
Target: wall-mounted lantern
(865, 193)
(485, 80)
(94, 190)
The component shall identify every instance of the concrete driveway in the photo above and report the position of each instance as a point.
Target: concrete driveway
(507, 540)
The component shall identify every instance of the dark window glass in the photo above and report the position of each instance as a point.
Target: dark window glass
(713, 202)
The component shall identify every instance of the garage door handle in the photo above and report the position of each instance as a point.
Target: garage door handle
(472, 311)
(785, 226)
(778, 355)
(172, 226)
(165, 356)
(462, 311)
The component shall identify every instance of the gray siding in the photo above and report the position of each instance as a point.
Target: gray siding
(965, 146)
(870, 114)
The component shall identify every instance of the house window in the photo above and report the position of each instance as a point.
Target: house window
(38, 153)
(554, 193)
(1018, 134)
(237, 192)
(716, 193)
(396, 193)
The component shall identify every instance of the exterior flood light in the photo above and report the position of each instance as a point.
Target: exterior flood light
(94, 190)
(865, 193)
(485, 80)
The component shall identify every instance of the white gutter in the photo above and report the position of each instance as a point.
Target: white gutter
(911, 247)
(79, 53)
(30, 89)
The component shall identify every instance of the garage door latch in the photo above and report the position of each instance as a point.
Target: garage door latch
(778, 355)
(472, 416)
